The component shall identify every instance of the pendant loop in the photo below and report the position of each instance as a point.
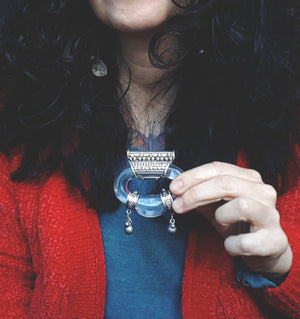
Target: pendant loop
(166, 199)
(132, 200)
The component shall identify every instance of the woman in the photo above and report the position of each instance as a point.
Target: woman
(215, 81)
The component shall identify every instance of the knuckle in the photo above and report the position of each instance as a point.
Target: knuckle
(270, 192)
(275, 216)
(278, 243)
(246, 246)
(217, 167)
(225, 183)
(244, 207)
(255, 175)
(193, 195)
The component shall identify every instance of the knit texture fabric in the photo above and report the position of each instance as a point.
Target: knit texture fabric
(52, 260)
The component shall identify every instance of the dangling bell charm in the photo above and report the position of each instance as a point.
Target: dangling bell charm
(167, 200)
(172, 229)
(128, 228)
(131, 202)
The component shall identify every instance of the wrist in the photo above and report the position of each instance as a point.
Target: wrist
(275, 267)
(283, 264)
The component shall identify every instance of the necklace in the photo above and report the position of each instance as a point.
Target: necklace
(147, 165)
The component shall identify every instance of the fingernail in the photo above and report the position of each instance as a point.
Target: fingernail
(176, 185)
(178, 204)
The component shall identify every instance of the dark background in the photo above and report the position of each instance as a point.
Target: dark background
(4, 6)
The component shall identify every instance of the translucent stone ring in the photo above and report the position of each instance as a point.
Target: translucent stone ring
(146, 165)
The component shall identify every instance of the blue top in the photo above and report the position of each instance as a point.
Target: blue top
(144, 270)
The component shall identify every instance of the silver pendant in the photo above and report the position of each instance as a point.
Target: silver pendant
(128, 225)
(167, 200)
(131, 203)
(147, 165)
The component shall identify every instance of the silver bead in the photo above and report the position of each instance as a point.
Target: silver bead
(172, 229)
(128, 229)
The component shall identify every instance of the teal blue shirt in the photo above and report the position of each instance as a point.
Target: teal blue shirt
(144, 270)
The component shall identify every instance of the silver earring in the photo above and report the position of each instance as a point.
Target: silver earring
(131, 203)
(172, 229)
(99, 69)
(167, 200)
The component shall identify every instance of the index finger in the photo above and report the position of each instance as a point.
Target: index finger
(205, 172)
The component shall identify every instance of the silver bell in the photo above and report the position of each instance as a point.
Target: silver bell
(128, 228)
(172, 229)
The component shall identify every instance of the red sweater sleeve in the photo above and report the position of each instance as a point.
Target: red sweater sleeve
(286, 297)
(16, 271)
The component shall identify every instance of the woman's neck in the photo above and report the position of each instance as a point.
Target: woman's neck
(147, 103)
(134, 52)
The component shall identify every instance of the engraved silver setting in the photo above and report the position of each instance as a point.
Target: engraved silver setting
(150, 164)
(132, 200)
(166, 199)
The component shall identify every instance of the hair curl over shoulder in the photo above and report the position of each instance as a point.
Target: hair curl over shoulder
(238, 80)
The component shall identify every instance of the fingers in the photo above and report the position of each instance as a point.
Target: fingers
(205, 172)
(262, 243)
(248, 220)
(216, 181)
(265, 238)
(246, 210)
(224, 188)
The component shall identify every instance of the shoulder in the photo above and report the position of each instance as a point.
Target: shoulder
(13, 194)
(28, 202)
(8, 164)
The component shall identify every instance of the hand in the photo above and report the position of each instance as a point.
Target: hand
(232, 197)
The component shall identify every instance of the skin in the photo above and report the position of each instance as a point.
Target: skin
(134, 15)
(136, 21)
(230, 197)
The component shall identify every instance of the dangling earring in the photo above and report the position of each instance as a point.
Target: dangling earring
(167, 200)
(131, 203)
(99, 69)
(172, 229)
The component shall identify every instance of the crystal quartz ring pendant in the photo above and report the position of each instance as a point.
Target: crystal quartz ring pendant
(146, 165)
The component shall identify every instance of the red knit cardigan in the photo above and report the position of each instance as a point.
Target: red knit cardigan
(52, 260)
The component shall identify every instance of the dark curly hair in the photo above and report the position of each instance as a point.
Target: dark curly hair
(238, 88)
